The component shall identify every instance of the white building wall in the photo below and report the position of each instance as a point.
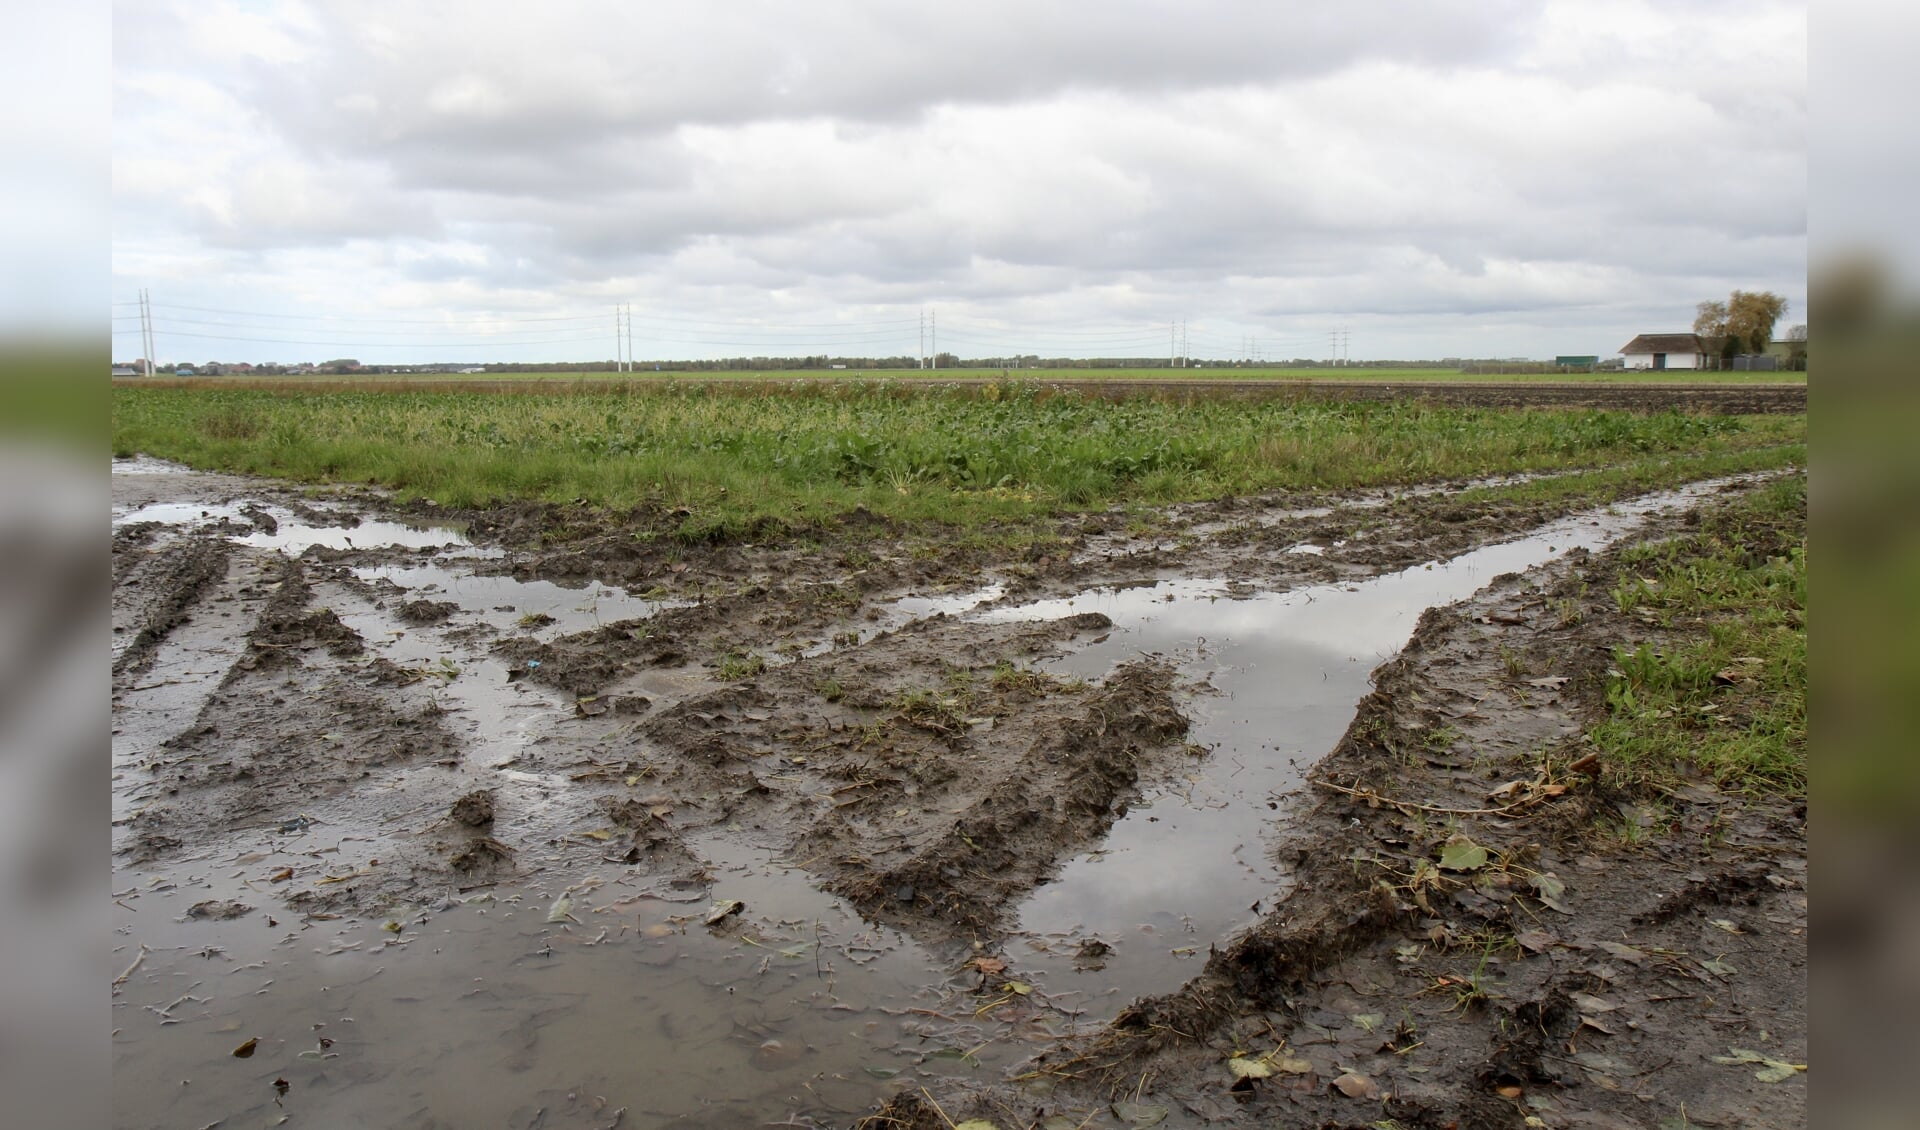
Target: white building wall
(1674, 361)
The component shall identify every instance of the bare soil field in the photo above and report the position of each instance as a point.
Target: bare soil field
(1271, 811)
(1627, 394)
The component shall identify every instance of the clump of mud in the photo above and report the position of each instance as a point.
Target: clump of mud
(427, 611)
(475, 809)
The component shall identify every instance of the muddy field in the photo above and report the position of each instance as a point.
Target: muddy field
(522, 818)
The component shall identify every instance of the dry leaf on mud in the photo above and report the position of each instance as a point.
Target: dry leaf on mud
(1536, 941)
(1550, 889)
(1624, 952)
(1462, 854)
(1292, 1065)
(245, 1051)
(1240, 1067)
(1549, 682)
(723, 909)
(975, 1124)
(1772, 1071)
(1139, 1114)
(989, 965)
(1019, 987)
(1356, 1086)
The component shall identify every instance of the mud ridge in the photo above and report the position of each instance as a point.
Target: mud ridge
(174, 578)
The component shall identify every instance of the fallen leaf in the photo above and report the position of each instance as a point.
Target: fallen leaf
(1356, 1086)
(1368, 1021)
(1019, 987)
(975, 1124)
(1139, 1114)
(1241, 1067)
(1462, 854)
(246, 1050)
(1507, 790)
(989, 965)
(1590, 1003)
(281, 875)
(1549, 682)
(1535, 941)
(601, 834)
(1771, 1071)
(723, 909)
(1509, 1091)
(1625, 952)
(1719, 968)
(1292, 1065)
(1590, 1022)
(1551, 889)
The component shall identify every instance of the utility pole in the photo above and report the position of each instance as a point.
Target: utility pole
(1173, 343)
(933, 334)
(1183, 343)
(146, 330)
(923, 337)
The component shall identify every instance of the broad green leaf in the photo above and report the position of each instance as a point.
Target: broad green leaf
(1462, 854)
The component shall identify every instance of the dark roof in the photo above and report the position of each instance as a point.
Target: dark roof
(1665, 343)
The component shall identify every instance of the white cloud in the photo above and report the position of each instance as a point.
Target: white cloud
(1428, 172)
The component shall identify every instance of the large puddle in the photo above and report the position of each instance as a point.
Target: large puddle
(589, 996)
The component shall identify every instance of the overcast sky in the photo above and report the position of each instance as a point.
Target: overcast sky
(485, 181)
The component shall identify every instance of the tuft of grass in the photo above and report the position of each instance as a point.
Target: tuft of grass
(735, 666)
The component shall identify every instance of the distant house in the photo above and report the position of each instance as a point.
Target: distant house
(1665, 351)
(125, 371)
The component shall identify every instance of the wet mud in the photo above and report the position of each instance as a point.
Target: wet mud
(649, 833)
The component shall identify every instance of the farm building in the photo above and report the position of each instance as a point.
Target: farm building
(1665, 351)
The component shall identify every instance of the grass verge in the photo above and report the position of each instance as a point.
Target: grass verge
(1724, 692)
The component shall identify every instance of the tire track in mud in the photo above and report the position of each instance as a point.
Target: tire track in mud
(1549, 988)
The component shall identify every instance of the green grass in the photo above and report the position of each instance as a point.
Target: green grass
(1724, 692)
(717, 466)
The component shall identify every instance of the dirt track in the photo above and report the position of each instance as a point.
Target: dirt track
(503, 804)
(1719, 399)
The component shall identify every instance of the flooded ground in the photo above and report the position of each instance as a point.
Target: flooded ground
(419, 824)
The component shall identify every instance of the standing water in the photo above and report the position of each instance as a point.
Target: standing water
(572, 996)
